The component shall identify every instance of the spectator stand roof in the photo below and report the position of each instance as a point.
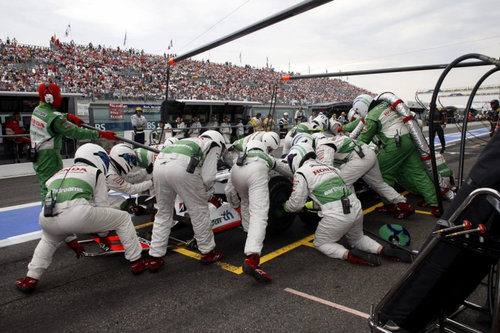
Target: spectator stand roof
(35, 94)
(217, 102)
(330, 105)
(184, 101)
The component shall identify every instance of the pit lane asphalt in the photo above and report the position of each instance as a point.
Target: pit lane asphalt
(99, 294)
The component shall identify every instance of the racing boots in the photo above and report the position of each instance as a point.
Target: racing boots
(356, 256)
(252, 268)
(77, 247)
(138, 266)
(154, 263)
(389, 208)
(400, 210)
(105, 243)
(26, 284)
(435, 211)
(404, 210)
(396, 254)
(211, 257)
(422, 203)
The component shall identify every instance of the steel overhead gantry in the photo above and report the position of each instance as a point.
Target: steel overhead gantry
(278, 17)
(382, 71)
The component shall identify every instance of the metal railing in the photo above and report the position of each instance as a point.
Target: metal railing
(14, 135)
(188, 130)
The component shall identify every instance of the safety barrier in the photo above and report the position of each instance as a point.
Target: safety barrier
(247, 129)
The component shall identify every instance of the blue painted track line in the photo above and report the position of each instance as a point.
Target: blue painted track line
(453, 137)
(16, 221)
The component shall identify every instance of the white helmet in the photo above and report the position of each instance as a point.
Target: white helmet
(361, 104)
(215, 137)
(303, 138)
(144, 157)
(165, 144)
(93, 155)
(318, 135)
(298, 155)
(320, 123)
(123, 158)
(271, 140)
(303, 128)
(169, 141)
(352, 115)
(285, 114)
(254, 144)
(333, 126)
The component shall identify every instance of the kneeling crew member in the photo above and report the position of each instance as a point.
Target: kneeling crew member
(341, 211)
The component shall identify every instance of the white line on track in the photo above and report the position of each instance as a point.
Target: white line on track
(31, 204)
(325, 302)
(21, 238)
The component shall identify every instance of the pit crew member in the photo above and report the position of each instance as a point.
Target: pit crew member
(77, 202)
(340, 210)
(186, 168)
(356, 160)
(248, 185)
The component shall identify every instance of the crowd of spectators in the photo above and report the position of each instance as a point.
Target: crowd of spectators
(112, 73)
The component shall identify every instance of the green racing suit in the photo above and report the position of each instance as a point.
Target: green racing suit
(46, 131)
(398, 161)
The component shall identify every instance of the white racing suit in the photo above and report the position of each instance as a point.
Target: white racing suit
(230, 155)
(125, 184)
(322, 183)
(179, 130)
(194, 129)
(241, 144)
(225, 130)
(281, 165)
(139, 175)
(144, 169)
(346, 152)
(289, 137)
(250, 182)
(171, 178)
(82, 208)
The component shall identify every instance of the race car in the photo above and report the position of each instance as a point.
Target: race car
(224, 217)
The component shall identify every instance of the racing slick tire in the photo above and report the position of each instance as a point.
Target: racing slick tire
(311, 219)
(280, 189)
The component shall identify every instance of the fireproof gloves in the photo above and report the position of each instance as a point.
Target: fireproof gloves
(75, 120)
(108, 135)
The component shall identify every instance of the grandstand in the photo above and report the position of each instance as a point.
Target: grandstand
(114, 74)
